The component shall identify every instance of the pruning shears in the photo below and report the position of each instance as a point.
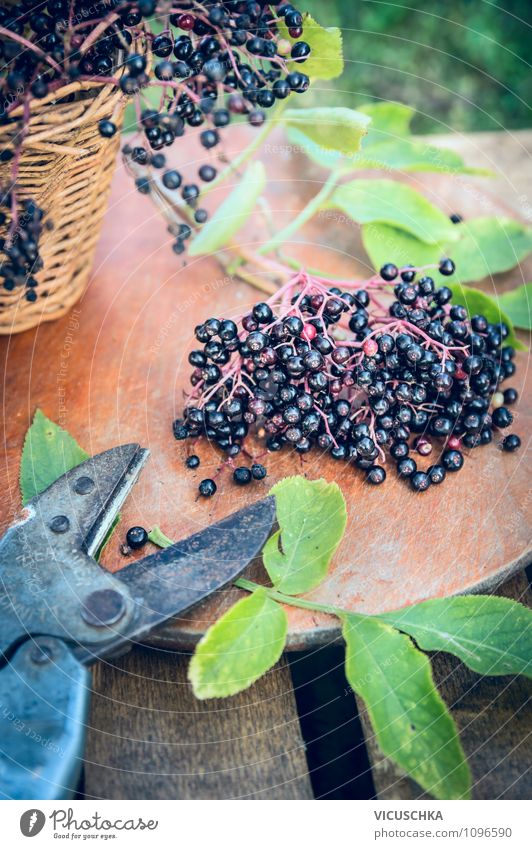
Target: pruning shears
(60, 611)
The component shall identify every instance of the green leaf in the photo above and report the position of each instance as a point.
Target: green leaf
(389, 244)
(368, 201)
(384, 146)
(489, 246)
(392, 119)
(326, 61)
(240, 647)
(478, 302)
(325, 157)
(517, 305)
(384, 243)
(157, 537)
(107, 537)
(411, 155)
(485, 246)
(489, 634)
(387, 146)
(334, 128)
(410, 719)
(231, 214)
(312, 519)
(49, 452)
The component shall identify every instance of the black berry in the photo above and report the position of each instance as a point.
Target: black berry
(207, 488)
(137, 537)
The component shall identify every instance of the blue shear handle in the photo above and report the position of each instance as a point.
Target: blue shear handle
(44, 696)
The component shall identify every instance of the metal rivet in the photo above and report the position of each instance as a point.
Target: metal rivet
(84, 485)
(41, 654)
(103, 607)
(60, 524)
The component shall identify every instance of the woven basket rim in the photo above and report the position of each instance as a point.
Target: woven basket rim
(36, 104)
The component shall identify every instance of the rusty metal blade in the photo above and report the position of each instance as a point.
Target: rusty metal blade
(169, 582)
(46, 570)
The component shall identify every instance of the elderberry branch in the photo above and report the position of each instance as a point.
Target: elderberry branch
(236, 164)
(312, 207)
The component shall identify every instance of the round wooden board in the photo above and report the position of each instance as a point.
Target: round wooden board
(114, 371)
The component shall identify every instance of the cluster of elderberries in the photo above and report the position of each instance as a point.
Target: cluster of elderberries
(414, 380)
(20, 246)
(229, 61)
(211, 61)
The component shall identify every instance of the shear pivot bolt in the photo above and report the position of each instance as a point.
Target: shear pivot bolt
(103, 607)
(84, 485)
(41, 654)
(60, 524)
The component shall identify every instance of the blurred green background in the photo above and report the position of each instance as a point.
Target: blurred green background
(463, 64)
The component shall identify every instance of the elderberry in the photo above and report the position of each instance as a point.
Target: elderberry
(511, 442)
(136, 537)
(207, 488)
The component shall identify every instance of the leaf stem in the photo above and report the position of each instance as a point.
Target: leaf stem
(159, 538)
(313, 206)
(295, 601)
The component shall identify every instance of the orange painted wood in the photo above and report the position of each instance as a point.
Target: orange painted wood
(115, 369)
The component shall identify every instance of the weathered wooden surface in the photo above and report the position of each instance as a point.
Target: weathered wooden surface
(150, 738)
(493, 717)
(115, 370)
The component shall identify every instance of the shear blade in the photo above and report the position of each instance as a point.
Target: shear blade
(169, 582)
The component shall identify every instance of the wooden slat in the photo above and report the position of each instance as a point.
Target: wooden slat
(150, 738)
(493, 717)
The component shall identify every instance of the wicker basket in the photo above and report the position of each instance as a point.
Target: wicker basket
(66, 167)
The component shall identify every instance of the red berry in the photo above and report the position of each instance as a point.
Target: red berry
(370, 347)
(185, 22)
(309, 332)
(295, 32)
(454, 442)
(423, 447)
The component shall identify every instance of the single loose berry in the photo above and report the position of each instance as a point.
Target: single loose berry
(193, 461)
(510, 396)
(207, 488)
(511, 442)
(502, 417)
(137, 537)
